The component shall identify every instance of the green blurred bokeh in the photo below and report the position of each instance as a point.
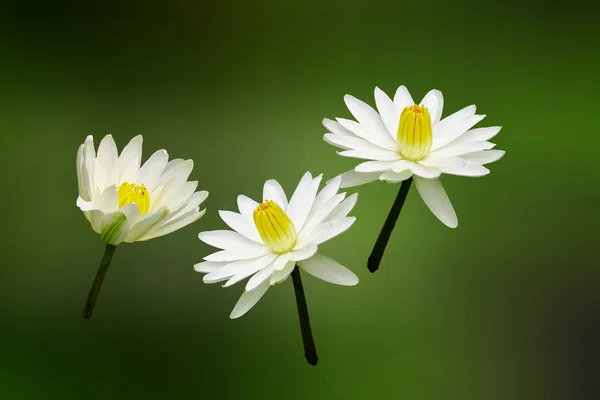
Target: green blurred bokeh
(507, 306)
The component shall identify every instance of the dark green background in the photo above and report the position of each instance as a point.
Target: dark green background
(507, 306)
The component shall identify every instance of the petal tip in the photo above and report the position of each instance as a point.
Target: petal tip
(235, 315)
(452, 224)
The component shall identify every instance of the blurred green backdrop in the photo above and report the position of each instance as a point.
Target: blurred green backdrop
(507, 306)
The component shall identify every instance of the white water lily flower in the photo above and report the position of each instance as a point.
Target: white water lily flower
(269, 239)
(127, 203)
(405, 139)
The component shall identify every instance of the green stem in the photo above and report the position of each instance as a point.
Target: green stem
(388, 227)
(95, 290)
(310, 352)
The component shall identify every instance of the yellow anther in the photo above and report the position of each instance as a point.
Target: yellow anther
(131, 193)
(274, 227)
(414, 133)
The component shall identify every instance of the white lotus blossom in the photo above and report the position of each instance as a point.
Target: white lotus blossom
(268, 240)
(404, 139)
(126, 202)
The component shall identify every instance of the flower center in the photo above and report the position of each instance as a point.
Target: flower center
(131, 193)
(274, 227)
(414, 133)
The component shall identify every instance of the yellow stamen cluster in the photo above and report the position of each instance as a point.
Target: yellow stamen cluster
(414, 133)
(274, 227)
(131, 193)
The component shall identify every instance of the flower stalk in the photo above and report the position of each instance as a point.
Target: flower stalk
(95, 290)
(310, 352)
(388, 227)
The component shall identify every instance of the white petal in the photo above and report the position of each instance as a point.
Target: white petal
(302, 201)
(450, 132)
(344, 208)
(145, 223)
(460, 149)
(370, 120)
(477, 135)
(443, 162)
(375, 166)
(229, 240)
(273, 191)
(379, 138)
(240, 224)
(331, 229)
(336, 128)
(131, 211)
(395, 177)
(245, 268)
(304, 253)
(226, 270)
(350, 143)
(318, 215)
(95, 217)
(85, 205)
(454, 125)
(260, 277)
(296, 199)
(433, 194)
(465, 112)
(152, 169)
(186, 219)
(108, 201)
(249, 300)
(390, 114)
(172, 188)
(208, 266)
(337, 141)
(281, 261)
(175, 214)
(328, 192)
(425, 172)
(402, 98)
(131, 152)
(353, 178)
(235, 255)
(89, 164)
(246, 206)
(375, 155)
(174, 197)
(280, 276)
(484, 157)
(434, 101)
(401, 166)
(107, 172)
(325, 268)
(178, 169)
(471, 169)
(130, 172)
(196, 199)
(79, 164)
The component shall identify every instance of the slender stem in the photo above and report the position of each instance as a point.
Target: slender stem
(310, 352)
(388, 227)
(95, 290)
